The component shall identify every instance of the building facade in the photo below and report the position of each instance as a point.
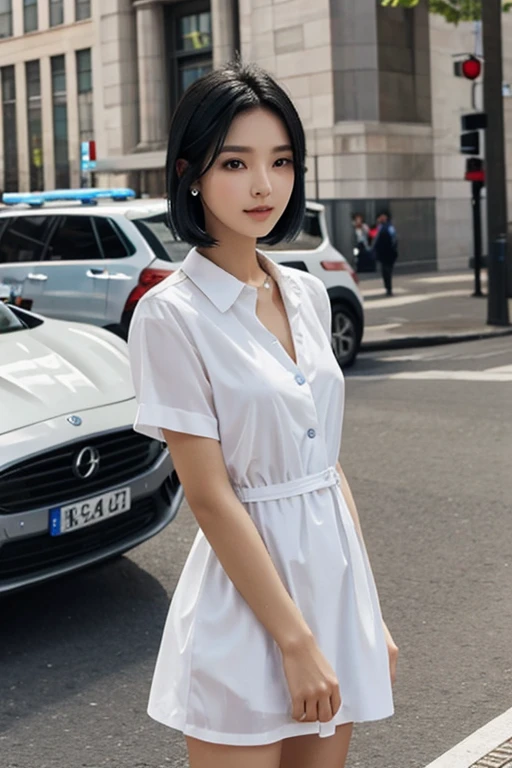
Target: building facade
(374, 87)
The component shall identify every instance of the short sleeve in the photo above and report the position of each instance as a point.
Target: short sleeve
(171, 385)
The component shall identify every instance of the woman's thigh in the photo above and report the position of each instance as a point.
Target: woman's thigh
(203, 754)
(314, 752)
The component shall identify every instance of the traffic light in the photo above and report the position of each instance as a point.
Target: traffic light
(475, 170)
(470, 143)
(470, 68)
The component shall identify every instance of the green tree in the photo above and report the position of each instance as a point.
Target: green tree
(452, 10)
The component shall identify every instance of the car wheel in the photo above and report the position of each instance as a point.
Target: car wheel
(118, 329)
(346, 334)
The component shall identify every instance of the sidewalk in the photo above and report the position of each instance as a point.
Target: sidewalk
(425, 309)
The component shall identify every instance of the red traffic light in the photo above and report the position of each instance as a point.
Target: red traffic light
(469, 68)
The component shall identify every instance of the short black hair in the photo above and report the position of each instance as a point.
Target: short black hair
(198, 131)
(384, 212)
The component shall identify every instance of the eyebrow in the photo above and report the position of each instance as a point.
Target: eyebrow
(237, 148)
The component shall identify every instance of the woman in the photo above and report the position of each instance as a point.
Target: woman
(274, 636)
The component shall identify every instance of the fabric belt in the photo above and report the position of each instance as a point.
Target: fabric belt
(301, 485)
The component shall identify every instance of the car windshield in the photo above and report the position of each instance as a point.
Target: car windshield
(8, 320)
(160, 239)
(308, 239)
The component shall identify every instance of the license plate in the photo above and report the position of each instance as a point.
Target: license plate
(72, 517)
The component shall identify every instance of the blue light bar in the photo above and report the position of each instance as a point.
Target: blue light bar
(85, 196)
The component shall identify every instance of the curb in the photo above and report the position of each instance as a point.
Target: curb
(404, 342)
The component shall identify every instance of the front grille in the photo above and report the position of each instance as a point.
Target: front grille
(26, 556)
(47, 480)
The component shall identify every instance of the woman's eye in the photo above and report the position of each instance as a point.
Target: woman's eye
(283, 161)
(233, 165)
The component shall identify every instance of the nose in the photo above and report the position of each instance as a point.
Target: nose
(261, 186)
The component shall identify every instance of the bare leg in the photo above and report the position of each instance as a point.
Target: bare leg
(203, 754)
(313, 752)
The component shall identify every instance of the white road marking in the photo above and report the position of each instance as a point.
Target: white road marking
(415, 298)
(385, 327)
(495, 375)
(379, 291)
(438, 279)
(479, 744)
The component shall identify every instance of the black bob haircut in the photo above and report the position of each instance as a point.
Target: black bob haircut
(198, 132)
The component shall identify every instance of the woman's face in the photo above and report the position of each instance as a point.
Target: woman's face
(254, 170)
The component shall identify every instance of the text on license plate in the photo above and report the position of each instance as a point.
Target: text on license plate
(89, 511)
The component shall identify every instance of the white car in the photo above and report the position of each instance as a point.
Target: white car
(77, 484)
(92, 263)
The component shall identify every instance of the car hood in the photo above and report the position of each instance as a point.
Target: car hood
(60, 368)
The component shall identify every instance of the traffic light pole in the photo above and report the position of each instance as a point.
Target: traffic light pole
(476, 189)
(497, 307)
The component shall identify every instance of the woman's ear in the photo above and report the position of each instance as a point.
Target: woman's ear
(181, 166)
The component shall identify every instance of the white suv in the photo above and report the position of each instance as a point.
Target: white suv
(92, 263)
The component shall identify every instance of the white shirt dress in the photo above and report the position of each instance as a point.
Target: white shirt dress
(203, 363)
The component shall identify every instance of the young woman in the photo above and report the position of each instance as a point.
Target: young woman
(274, 638)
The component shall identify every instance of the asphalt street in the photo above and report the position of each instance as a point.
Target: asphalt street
(426, 445)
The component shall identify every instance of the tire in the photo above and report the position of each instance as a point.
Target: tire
(346, 334)
(118, 330)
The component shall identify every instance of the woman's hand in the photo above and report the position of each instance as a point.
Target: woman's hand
(311, 681)
(392, 653)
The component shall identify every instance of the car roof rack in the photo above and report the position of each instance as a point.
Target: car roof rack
(87, 196)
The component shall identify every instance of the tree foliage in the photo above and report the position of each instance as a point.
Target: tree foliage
(452, 10)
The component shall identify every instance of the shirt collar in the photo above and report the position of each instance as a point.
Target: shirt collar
(223, 288)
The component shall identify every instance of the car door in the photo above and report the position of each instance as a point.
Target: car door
(72, 272)
(124, 261)
(22, 243)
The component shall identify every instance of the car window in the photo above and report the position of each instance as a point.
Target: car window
(23, 239)
(308, 239)
(74, 239)
(113, 242)
(160, 239)
(8, 320)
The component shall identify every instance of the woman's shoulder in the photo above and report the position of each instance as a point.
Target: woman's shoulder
(305, 281)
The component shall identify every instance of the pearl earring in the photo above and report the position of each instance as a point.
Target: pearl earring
(194, 192)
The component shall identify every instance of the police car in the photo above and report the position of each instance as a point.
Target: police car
(88, 255)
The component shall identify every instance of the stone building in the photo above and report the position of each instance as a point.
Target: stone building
(374, 87)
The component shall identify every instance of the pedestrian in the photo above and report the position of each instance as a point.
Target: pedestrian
(385, 247)
(274, 636)
(365, 261)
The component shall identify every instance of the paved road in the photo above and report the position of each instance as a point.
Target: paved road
(429, 462)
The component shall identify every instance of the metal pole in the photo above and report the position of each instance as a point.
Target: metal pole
(497, 307)
(476, 188)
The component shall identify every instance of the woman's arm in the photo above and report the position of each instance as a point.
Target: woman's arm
(239, 547)
(347, 495)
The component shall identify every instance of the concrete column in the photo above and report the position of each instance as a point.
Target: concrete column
(224, 30)
(115, 73)
(152, 74)
(22, 127)
(17, 19)
(69, 12)
(47, 104)
(72, 99)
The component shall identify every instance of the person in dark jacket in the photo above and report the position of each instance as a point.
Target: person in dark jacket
(385, 247)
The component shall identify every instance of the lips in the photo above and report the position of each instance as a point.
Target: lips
(261, 213)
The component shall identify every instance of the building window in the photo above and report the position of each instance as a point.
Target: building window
(10, 133)
(30, 23)
(85, 108)
(35, 133)
(56, 12)
(189, 32)
(60, 122)
(5, 18)
(82, 9)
